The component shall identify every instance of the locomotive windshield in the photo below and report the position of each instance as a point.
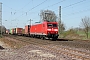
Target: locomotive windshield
(52, 25)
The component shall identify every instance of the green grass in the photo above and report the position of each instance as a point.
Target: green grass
(82, 33)
(74, 34)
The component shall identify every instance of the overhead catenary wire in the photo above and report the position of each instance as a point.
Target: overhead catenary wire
(45, 7)
(55, 3)
(15, 11)
(67, 5)
(78, 12)
(27, 4)
(32, 8)
(70, 6)
(37, 6)
(48, 6)
(19, 10)
(74, 4)
(51, 6)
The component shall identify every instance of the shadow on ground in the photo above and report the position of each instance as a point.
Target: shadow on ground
(64, 40)
(1, 48)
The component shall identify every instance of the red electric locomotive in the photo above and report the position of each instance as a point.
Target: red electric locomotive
(45, 29)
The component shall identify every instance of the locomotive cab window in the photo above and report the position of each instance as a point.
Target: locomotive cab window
(52, 25)
(49, 25)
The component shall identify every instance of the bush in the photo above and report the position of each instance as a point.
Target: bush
(70, 34)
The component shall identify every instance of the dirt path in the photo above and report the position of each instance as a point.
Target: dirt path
(3, 45)
(40, 50)
(30, 52)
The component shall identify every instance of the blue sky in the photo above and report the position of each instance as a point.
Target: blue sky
(17, 13)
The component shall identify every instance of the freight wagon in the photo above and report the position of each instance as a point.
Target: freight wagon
(12, 31)
(23, 32)
(18, 31)
(27, 30)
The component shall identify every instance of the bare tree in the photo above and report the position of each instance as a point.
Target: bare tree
(86, 25)
(48, 15)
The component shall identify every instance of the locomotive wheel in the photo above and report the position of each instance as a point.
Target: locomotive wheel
(54, 39)
(43, 37)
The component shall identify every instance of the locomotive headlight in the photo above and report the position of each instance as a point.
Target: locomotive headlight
(49, 29)
(55, 29)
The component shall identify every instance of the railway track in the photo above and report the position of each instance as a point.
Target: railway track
(75, 54)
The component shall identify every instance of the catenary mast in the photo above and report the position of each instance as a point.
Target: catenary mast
(1, 17)
(59, 20)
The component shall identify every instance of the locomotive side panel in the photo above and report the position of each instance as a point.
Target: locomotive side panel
(33, 30)
(39, 29)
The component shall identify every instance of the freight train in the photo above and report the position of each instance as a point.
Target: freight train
(41, 30)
